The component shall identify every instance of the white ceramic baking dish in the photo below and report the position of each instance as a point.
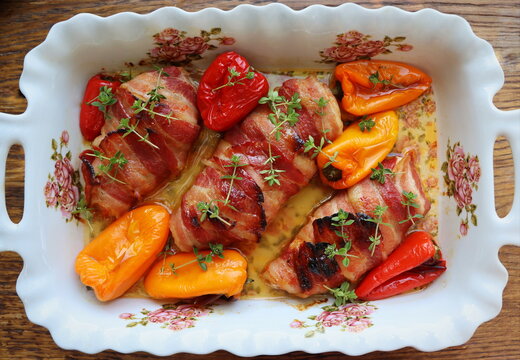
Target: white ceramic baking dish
(466, 75)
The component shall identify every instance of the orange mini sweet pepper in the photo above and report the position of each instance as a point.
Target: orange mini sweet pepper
(358, 150)
(371, 86)
(122, 253)
(225, 276)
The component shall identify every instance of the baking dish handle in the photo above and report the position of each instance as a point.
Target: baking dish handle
(508, 125)
(10, 134)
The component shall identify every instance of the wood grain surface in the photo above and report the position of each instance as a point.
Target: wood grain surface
(24, 24)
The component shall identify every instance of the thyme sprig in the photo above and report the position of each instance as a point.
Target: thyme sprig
(124, 123)
(115, 163)
(105, 98)
(84, 212)
(235, 164)
(233, 73)
(366, 124)
(409, 202)
(375, 79)
(341, 219)
(277, 103)
(211, 210)
(317, 149)
(331, 251)
(272, 173)
(380, 172)
(322, 103)
(168, 250)
(154, 98)
(216, 250)
(375, 240)
(342, 294)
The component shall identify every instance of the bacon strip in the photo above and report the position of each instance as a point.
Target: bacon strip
(254, 203)
(172, 130)
(303, 273)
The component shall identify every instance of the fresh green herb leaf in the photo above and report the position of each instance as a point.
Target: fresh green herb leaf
(233, 73)
(317, 149)
(375, 79)
(409, 202)
(124, 123)
(210, 210)
(380, 172)
(216, 250)
(342, 294)
(366, 124)
(84, 212)
(104, 99)
(115, 163)
(375, 240)
(321, 102)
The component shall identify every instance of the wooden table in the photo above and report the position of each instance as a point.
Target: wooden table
(24, 24)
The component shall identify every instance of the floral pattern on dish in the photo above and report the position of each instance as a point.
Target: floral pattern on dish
(418, 130)
(63, 187)
(172, 316)
(354, 45)
(350, 317)
(173, 46)
(461, 176)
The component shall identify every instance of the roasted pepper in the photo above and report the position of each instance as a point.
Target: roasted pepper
(229, 90)
(122, 253)
(392, 276)
(91, 118)
(225, 276)
(371, 86)
(408, 280)
(356, 151)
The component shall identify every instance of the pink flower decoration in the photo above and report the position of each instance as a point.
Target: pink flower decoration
(457, 164)
(63, 171)
(193, 46)
(168, 36)
(333, 318)
(126, 316)
(463, 228)
(473, 169)
(188, 310)
(463, 192)
(64, 137)
(227, 41)
(369, 48)
(51, 192)
(404, 47)
(170, 53)
(181, 324)
(432, 152)
(162, 315)
(340, 53)
(349, 38)
(357, 310)
(68, 199)
(432, 182)
(296, 324)
(357, 324)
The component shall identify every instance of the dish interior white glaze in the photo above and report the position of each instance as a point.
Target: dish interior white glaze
(272, 37)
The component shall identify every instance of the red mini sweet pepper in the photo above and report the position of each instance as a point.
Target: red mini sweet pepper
(91, 119)
(408, 280)
(229, 90)
(393, 277)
